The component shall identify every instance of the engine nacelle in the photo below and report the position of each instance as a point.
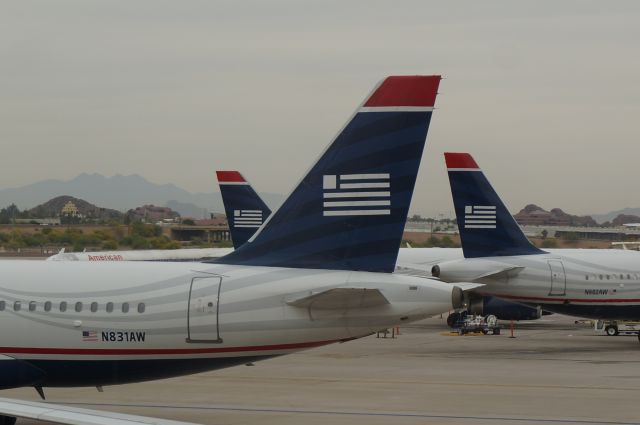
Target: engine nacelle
(503, 310)
(468, 270)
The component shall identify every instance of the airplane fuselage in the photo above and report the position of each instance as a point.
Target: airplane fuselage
(600, 284)
(82, 324)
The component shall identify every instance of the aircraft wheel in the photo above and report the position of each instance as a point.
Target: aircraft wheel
(611, 330)
(452, 319)
(7, 420)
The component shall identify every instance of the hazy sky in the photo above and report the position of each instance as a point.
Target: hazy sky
(545, 94)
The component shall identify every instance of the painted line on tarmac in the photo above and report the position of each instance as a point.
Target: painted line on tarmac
(356, 413)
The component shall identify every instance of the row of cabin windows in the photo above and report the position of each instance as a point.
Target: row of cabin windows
(78, 307)
(621, 276)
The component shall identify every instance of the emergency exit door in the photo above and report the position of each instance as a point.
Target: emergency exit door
(203, 314)
(558, 278)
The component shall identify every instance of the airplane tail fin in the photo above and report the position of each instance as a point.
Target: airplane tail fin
(486, 227)
(349, 211)
(244, 208)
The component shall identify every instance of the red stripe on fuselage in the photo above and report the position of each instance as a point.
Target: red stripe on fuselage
(460, 160)
(406, 90)
(165, 351)
(573, 300)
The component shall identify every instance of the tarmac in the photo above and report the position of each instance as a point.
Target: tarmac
(553, 372)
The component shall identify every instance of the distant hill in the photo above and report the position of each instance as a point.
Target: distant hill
(610, 216)
(120, 193)
(535, 215)
(188, 209)
(53, 207)
(622, 219)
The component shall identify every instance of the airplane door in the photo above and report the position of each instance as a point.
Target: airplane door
(202, 317)
(558, 278)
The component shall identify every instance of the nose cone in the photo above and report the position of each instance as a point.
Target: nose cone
(457, 297)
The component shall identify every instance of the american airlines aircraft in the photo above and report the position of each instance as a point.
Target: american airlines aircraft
(592, 283)
(319, 271)
(186, 254)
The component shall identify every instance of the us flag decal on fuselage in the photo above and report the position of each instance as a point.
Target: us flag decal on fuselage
(356, 194)
(479, 217)
(247, 218)
(90, 336)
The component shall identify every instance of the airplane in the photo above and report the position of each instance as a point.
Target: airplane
(588, 283)
(238, 194)
(318, 271)
(184, 254)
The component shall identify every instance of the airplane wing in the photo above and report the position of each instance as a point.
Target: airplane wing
(340, 298)
(74, 416)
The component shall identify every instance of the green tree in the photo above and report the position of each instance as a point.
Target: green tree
(9, 214)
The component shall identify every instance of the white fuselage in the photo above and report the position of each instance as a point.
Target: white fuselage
(583, 282)
(182, 317)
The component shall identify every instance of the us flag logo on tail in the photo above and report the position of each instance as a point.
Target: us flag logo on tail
(247, 218)
(356, 194)
(479, 217)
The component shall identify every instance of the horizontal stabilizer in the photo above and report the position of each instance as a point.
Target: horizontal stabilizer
(468, 286)
(71, 415)
(341, 299)
(513, 270)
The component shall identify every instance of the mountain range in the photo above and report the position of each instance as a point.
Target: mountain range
(610, 216)
(126, 192)
(122, 193)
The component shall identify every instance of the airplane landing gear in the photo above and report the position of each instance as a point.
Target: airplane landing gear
(452, 319)
(7, 420)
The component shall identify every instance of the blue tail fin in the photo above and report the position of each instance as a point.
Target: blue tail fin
(486, 227)
(244, 208)
(349, 211)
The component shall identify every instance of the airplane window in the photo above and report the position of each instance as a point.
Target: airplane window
(628, 276)
(607, 277)
(586, 277)
(78, 307)
(109, 307)
(17, 306)
(63, 306)
(622, 276)
(32, 306)
(600, 277)
(94, 307)
(141, 308)
(2, 305)
(47, 306)
(125, 307)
